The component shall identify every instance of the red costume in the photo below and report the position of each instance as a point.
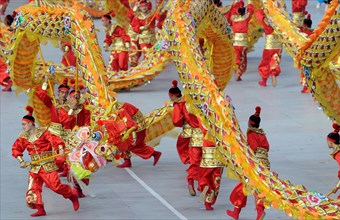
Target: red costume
(298, 11)
(271, 56)
(258, 142)
(120, 41)
(68, 59)
(143, 24)
(239, 24)
(41, 146)
(190, 141)
(135, 143)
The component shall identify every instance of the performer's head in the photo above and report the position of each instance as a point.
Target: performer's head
(254, 120)
(174, 91)
(106, 19)
(144, 6)
(218, 3)
(63, 90)
(333, 138)
(307, 22)
(241, 9)
(28, 120)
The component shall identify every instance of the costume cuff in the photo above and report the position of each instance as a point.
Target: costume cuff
(20, 159)
(44, 86)
(70, 112)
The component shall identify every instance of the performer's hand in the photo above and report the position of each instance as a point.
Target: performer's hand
(61, 152)
(23, 164)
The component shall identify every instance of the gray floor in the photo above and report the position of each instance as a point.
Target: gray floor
(295, 127)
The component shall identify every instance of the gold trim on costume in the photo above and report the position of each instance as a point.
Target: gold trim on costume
(186, 130)
(272, 42)
(37, 135)
(240, 39)
(256, 130)
(138, 117)
(196, 139)
(48, 165)
(262, 154)
(208, 159)
(298, 18)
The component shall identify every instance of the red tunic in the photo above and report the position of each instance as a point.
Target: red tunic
(119, 57)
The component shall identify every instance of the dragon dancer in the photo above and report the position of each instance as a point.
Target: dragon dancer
(40, 145)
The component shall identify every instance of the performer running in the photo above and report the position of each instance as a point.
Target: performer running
(130, 117)
(190, 141)
(40, 144)
(271, 56)
(258, 142)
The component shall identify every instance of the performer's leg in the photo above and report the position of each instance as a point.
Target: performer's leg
(238, 199)
(33, 195)
(53, 182)
(142, 150)
(123, 61)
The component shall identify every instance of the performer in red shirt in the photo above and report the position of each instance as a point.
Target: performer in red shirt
(135, 142)
(271, 56)
(307, 29)
(258, 142)
(40, 144)
(69, 58)
(238, 18)
(333, 142)
(190, 141)
(120, 41)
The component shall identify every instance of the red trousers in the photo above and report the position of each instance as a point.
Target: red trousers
(210, 177)
(267, 66)
(241, 59)
(238, 199)
(182, 146)
(35, 182)
(119, 61)
(140, 148)
(195, 156)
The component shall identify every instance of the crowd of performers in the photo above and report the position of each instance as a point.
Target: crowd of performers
(68, 110)
(126, 45)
